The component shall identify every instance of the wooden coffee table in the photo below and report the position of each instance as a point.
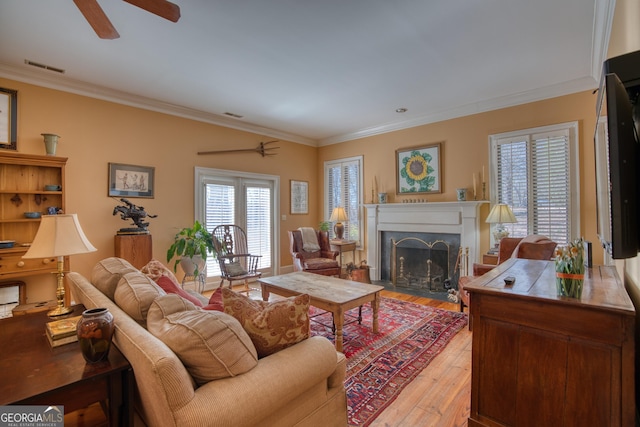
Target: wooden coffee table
(327, 293)
(34, 373)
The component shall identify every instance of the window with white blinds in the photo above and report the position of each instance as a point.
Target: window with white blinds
(535, 172)
(247, 200)
(343, 187)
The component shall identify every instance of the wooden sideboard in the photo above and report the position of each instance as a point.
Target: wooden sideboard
(543, 360)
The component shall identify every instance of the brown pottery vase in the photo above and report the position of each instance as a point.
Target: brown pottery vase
(95, 330)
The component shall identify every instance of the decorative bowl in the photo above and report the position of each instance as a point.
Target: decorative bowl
(4, 244)
(32, 214)
(52, 187)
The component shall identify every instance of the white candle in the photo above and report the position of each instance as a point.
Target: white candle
(474, 185)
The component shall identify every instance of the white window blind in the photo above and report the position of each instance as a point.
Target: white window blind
(343, 187)
(535, 172)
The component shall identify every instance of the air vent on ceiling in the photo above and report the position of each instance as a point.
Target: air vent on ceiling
(235, 116)
(44, 67)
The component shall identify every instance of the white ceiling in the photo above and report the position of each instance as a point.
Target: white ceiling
(314, 71)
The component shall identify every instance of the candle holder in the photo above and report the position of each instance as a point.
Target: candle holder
(484, 191)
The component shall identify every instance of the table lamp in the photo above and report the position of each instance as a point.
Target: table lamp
(500, 214)
(59, 236)
(338, 215)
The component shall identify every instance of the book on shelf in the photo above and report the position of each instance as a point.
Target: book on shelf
(62, 331)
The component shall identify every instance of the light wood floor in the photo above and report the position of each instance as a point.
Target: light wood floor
(440, 396)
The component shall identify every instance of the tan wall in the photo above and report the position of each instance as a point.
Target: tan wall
(465, 150)
(94, 133)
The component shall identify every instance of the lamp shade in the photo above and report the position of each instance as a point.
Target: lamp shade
(501, 214)
(59, 235)
(338, 214)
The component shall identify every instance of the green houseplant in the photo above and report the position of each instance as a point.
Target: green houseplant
(191, 244)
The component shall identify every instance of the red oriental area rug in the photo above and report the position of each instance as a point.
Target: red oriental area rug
(379, 366)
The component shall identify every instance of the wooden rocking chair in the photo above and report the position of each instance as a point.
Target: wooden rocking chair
(236, 263)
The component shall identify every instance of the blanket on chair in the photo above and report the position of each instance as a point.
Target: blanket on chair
(309, 239)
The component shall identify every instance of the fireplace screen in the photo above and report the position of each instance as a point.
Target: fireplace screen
(428, 261)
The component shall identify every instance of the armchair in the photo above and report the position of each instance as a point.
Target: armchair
(533, 246)
(322, 261)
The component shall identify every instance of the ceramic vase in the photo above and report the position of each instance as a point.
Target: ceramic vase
(95, 331)
(50, 143)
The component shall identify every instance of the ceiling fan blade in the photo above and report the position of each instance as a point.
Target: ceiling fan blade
(162, 8)
(96, 17)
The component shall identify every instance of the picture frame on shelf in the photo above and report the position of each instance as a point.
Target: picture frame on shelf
(131, 181)
(418, 169)
(8, 119)
(299, 197)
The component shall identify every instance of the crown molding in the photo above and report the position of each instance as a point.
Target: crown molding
(60, 82)
(565, 88)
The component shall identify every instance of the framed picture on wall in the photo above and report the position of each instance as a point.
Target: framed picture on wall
(418, 170)
(299, 197)
(131, 180)
(8, 119)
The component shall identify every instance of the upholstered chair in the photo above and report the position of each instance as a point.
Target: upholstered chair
(322, 261)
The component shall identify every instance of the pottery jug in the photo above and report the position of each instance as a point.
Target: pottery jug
(95, 330)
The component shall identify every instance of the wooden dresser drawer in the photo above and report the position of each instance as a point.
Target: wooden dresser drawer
(15, 265)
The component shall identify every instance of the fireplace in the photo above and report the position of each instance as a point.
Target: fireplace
(417, 227)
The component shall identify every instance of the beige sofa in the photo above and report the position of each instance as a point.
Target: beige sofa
(302, 385)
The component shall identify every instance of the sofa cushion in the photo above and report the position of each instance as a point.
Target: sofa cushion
(135, 293)
(107, 273)
(272, 326)
(211, 344)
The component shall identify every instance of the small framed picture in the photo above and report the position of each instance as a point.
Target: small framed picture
(299, 197)
(131, 180)
(418, 170)
(8, 119)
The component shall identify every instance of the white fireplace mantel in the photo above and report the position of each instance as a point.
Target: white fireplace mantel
(438, 217)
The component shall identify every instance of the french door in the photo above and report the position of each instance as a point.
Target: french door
(247, 200)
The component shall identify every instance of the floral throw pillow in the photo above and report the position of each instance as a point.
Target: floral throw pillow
(272, 326)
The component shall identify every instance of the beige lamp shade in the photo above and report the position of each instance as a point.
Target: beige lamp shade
(59, 235)
(501, 214)
(338, 215)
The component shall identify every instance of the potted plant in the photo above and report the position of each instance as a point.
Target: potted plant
(191, 245)
(324, 226)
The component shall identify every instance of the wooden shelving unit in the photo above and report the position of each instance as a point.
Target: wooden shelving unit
(22, 181)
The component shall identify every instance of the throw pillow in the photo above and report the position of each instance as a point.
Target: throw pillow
(210, 344)
(171, 287)
(135, 293)
(107, 273)
(272, 326)
(235, 269)
(155, 269)
(215, 302)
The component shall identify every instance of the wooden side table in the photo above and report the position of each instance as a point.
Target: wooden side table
(343, 246)
(34, 373)
(489, 258)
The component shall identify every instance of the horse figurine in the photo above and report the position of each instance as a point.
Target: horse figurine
(135, 213)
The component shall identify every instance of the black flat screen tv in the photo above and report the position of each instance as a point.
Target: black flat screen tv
(616, 155)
